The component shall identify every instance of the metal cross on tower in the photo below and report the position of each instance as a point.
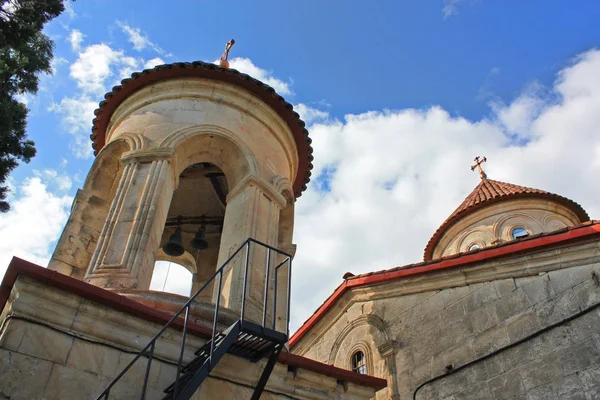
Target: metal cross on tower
(478, 163)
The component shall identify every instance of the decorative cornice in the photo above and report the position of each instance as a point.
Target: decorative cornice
(265, 187)
(148, 155)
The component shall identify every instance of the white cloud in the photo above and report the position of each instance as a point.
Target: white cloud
(69, 10)
(75, 38)
(395, 175)
(137, 38)
(153, 62)
(310, 114)
(77, 114)
(36, 218)
(450, 8)
(246, 66)
(97, 63)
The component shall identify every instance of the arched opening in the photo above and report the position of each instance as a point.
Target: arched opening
(359, 362)
(194, 223)
(171, 277)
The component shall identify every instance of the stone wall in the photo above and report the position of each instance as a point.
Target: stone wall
(432, 331)
(58, 345)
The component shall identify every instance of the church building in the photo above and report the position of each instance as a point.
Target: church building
(505, 305)
(201, 165)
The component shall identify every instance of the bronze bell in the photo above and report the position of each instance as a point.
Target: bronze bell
(173, 247)
(199, 241)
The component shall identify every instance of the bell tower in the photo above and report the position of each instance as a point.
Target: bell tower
(192, 159)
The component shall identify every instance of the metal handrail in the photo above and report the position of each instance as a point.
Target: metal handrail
(150, 347)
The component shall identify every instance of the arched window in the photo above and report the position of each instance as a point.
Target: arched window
(519, 233)
(474, 246)
(359, 362)
(172, 278)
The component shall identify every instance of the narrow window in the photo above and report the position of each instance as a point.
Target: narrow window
(359, 363)
(519, 233)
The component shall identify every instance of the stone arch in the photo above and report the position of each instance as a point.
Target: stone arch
(105, 174)
(186, 260)
(552, 222)
(367, 351)
(219, 147)
(484, 237)
(366, 319)
(506, 223)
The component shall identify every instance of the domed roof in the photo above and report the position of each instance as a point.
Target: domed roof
(198, 69)
(490, 192)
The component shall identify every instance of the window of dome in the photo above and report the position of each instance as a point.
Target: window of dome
(474, 246)
(359, 363)
(519, 233)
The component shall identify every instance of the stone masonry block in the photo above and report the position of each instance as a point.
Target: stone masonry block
(482, 319)
(22, 377)
(480, 296)
(12, 335)
(563, 306)
(522, 325)
(93, 358)
(541, 371)
(511, 304)
(65, 383)
(536, 289)
(46, 343)
(544, 392)
(504, 384)
(569, 387)
(579, 357)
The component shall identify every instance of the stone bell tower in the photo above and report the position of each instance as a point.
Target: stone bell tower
(186, 149)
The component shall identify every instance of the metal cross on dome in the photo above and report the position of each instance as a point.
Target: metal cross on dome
(478, 163)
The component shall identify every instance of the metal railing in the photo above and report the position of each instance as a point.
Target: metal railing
(149, 349)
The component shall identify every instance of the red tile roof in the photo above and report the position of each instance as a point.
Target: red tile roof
(199, 69)
(18, 267)
(585, 232)
(490, 192)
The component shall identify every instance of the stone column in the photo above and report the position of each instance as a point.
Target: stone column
(129, 241)
(78, 240)
(388, 353)
(252, 212)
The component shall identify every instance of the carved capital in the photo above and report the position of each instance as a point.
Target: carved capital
(148, 155)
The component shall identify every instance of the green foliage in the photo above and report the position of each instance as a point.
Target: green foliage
(24, 52)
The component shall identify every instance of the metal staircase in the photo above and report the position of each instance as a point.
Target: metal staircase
(246, 339)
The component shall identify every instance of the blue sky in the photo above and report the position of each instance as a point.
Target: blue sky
(421, 86)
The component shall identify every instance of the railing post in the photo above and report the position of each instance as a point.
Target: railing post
(147, 375)
(182, 350)
(266, 295)
(216, 316)
(245, 283)
(289, 296)
(275, 296)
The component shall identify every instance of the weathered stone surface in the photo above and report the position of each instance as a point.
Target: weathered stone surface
(479, 319)
(22, 377)
(86, 359)
(68, 383)
(94, 358)
(46, 343)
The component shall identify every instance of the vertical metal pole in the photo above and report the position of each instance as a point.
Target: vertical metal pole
(143, 397)
(275, 297)
(289, 296)
(266, 295)
(245, 284)
(216, 317)
(181, 351)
